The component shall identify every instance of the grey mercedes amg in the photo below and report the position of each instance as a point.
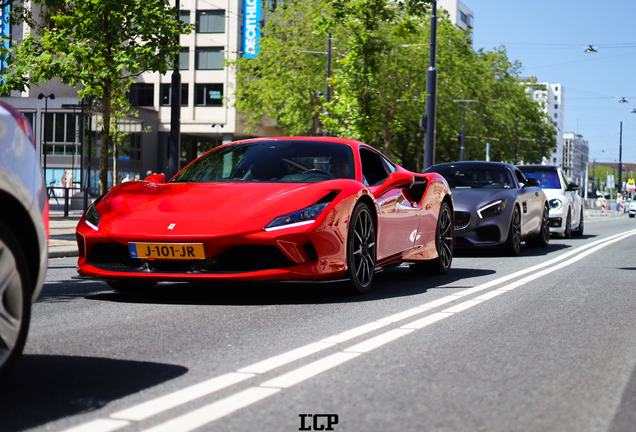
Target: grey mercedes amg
(496, 205)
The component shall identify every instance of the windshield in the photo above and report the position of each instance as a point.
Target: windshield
(548, 179)
(272, 161)
(475, 176)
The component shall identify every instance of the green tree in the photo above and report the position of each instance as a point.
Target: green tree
(99, 45)
(379, 82)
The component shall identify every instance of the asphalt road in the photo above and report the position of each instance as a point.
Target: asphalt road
(541, 342)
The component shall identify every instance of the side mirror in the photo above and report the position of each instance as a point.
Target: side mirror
(532, 182)
(156, 178)
(395, 180)
(572, 187)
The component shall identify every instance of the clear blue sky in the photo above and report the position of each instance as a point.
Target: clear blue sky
(548, 38)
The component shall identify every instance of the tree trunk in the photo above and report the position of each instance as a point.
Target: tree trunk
(103, 154)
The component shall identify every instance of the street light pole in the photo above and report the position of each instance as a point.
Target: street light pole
(46, 109)
(431, 94)
(175, 112)
(620, 160)
(217, 125)
(462, 144)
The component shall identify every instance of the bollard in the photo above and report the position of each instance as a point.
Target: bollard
(66, 202)
(603, 207)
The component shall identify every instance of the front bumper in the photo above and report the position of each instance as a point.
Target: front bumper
(299, 253)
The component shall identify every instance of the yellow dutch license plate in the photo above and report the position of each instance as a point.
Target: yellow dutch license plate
(167, 251)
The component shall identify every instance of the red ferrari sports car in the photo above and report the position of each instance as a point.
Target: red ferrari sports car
(285, 209)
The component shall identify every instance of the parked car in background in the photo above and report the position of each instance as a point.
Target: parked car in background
(632, 208)
(312, 209)
(566, 206)
(24, 226)
(496, 205)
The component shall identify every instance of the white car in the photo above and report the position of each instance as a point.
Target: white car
(566, 208)
(24, 227)
(632, 208)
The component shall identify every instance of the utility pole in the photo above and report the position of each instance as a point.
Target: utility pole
(431, 94)
(328, 88)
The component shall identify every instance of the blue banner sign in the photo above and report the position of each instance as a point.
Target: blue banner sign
(251, 27)
(5, 30)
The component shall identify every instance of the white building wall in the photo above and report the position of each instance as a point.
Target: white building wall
(552, 97)
(460, 14)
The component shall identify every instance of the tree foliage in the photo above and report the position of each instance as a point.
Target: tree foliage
(99, 45)
(379, 82)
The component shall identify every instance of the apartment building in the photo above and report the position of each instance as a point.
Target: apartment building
(575, 156)
(551, 96)
(460, 14)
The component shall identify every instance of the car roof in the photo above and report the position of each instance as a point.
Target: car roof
(539, 167)
(480, 164)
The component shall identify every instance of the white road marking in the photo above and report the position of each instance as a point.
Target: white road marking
(101, 425)
(285, 358)
(202, 416)
(358, 331)
(312, 369)
(233, 403)
(378, 341)
(180, 397)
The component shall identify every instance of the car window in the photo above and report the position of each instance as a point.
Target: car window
(548, 179)
(468, 176)
(374, 168)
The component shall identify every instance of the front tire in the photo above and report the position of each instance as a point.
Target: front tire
(361, 249)
(568, 226)
(513, 244)
(444, 243)
(15, 300)
(129, 286)
(579, 231)
(542, 239)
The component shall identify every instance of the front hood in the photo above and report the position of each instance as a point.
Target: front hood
(554, 193)
(468, 199)
(233, 206)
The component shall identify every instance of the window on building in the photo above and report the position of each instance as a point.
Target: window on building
(184, 16)
(140, 94)
(209, 58)
(211, 21)
(556, 89)
(556, 98)
(61, 133)
(556, 115)
(31, 118)
(184, 59)
(166, 92)
(556, 106)
(209, 94)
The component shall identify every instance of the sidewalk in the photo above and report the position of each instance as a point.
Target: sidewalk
(62, 242)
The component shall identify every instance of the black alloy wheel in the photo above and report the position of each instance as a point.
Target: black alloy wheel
(513, 244)
(579, 231)
(361, 249)
(568, 226)
(542, 239)
(444, 243)
(129, 286)
(15, 300)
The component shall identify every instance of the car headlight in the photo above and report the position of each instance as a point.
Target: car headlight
(555, 204)
(92, 217)
(302, 217)
(492, 209)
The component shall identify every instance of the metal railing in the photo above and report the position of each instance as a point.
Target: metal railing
(72, 198)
